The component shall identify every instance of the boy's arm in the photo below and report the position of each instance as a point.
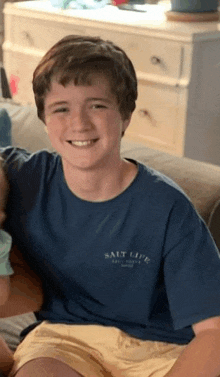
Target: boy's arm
(25, 288)
(6, 355)
(4, 289)
(5, 266)
(201, 357)
(4, 279)
(21, 292)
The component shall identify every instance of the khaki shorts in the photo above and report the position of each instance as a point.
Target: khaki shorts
(97, 351)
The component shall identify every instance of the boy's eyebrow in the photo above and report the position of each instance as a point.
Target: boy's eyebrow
(99, 99)
(57, 103)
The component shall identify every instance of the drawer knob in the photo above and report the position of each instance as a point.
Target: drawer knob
(28, 38)
(144, 113)
(155, 60)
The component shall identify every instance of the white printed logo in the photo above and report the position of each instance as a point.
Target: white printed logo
(127, 259)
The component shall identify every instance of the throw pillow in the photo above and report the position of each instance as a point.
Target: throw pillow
(5, 128)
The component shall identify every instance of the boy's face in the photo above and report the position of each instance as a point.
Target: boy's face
(84, 124)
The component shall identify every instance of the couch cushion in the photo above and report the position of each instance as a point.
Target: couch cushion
(214, 223)
(10, 328)
(5, 128)
(28, 131)
(200, 181)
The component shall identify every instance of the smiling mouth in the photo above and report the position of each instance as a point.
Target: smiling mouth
(80, 143)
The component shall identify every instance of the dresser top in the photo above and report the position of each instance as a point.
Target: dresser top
(153, 21)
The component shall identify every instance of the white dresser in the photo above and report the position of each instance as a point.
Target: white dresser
(177, 65)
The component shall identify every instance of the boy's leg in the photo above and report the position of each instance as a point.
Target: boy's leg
(46, 367)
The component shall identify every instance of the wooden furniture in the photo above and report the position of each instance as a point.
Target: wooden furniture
(2, 2)
(177, 65)
(192, 17)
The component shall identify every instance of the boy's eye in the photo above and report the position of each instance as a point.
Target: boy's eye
(61, 110)
(98, 106)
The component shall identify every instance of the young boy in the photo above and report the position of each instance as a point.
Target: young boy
(130, 273)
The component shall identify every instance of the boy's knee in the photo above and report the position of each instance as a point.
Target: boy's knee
(45, 367)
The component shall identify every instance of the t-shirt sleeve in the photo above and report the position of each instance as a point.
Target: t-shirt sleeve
(13, 160)
(26, 170)
(191, 267)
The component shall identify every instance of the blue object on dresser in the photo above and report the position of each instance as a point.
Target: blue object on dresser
(194, 6)
(5, 128)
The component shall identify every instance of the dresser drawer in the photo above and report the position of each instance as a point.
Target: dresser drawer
(155, 120)
(149, 54)
(39, 34)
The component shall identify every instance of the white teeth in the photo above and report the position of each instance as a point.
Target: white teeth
(82, 143)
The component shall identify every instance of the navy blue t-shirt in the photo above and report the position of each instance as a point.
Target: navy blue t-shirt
(143, 262)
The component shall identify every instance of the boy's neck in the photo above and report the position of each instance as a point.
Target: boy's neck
(102, 185)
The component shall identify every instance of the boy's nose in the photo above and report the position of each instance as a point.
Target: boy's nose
(79, 120)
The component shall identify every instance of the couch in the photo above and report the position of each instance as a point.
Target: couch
(200, 181)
